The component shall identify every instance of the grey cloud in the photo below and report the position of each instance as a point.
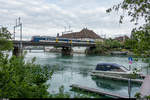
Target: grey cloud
(49, 17)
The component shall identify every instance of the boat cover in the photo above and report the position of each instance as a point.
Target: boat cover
(104, 66)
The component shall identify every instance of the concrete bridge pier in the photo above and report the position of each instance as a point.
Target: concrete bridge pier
(17, 51)
(67, 51)
(90, 50)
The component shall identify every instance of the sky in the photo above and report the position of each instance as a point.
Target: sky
(49, 17)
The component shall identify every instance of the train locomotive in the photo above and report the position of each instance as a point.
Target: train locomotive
(56, 39)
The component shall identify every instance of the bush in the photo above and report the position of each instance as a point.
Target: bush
(22, 80)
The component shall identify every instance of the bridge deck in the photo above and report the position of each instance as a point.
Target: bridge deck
(58, 44)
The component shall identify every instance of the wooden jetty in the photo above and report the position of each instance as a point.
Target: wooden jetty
(118, 78)
(97, 91)
(145, 88)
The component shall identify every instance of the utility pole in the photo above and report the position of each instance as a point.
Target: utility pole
(14, 32)
(105, 36)
(65, 28)
(69, 28)
(19, 24)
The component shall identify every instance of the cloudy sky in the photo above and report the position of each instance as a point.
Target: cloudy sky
(49, 17)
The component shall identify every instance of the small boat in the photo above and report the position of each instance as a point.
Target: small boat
(113, 69)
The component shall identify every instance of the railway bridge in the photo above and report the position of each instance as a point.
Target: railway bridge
(66, 46)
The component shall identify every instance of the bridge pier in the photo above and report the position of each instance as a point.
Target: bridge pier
(17, 51)
(90, 50)
(66, 51)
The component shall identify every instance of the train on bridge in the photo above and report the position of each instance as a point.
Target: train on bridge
(56, 39)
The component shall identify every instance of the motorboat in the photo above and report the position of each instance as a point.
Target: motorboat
(113, 69)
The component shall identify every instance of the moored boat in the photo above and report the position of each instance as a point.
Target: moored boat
(113, 69)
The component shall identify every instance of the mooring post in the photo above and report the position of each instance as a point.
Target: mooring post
(129, 82)
(147, 69)
(129, 87)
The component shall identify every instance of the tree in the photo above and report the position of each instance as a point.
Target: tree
(142, 36)
(100, 49)
(20, 79)
(5, 36)
(137, 9)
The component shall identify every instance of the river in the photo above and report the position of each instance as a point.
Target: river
(75, 70)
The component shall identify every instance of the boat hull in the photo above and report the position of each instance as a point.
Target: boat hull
(117, 74)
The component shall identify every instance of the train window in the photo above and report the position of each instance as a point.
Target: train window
(108, 66)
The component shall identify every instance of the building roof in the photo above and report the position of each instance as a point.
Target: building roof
(84, 33)
(122, 38)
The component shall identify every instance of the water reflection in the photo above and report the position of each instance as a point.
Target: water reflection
(64, 57)
(84, 71)
(107, 84)
(111, 84)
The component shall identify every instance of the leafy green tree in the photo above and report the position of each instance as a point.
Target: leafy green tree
(111, 44)
(100, 49)
(19, 79)
(137, 10)
(22, 80)
(107, 43)
(5, 36)
(130, 44)
(143, 41)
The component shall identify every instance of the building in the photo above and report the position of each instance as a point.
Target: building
(122, 38)
(84, 34)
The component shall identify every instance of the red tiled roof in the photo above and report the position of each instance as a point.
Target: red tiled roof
(84, 33)
(121, 38)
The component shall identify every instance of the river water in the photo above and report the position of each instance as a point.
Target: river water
(75, 70)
